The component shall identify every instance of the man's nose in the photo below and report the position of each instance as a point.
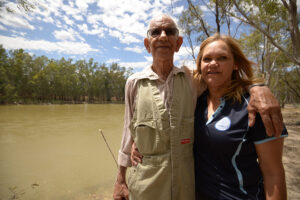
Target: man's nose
(163, 34)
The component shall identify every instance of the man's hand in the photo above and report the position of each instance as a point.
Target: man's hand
(120, 187)
(136, 157)
(263, 101)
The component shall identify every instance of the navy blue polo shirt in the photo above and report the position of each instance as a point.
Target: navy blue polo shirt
(226, 164)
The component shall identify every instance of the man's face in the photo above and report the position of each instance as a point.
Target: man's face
(163, 40)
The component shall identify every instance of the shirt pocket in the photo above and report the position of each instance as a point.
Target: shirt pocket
(151, 140)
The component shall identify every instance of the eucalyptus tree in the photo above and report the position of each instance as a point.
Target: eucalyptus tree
(270, 34)
(195, 24)
(283, 12)
(26, 79)
(7, 90)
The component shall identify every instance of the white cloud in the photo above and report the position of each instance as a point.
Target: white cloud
(188, 63)
(48, 20)
(127, 39)
(125, 20)
(64, 35)
(60, 47)
(2, 28)
(68, 21)
(117, 15)
(131, 23)
(14, 20)
(97, 31)
(204, 8)
(178, 10)
(78, 17)
(19, 33)
(115, 33)
(183, 57)
(69, 34)
(135, 49)
(82, 5)
(116, 60)
(124, 38)
(93, 18)
(58, 23)
(149, 58)
(46, 8)
(139, 65)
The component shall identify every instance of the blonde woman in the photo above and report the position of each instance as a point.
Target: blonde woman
(232, 160)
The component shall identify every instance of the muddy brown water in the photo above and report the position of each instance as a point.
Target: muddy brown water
(56, 151)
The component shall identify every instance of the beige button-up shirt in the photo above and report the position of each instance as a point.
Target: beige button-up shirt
(165, 88)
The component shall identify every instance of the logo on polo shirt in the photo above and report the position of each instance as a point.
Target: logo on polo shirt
(223, 124)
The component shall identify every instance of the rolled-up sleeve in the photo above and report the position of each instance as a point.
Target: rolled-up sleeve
(126, 142)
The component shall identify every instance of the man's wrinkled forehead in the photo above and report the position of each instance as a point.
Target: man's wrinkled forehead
(162, 20)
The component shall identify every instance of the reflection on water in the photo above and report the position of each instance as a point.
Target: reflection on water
(56, 151)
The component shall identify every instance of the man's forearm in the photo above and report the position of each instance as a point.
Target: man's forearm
(263, 101)
(121, 174)
(120, 187)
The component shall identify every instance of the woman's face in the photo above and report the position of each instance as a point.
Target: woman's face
(217, 65)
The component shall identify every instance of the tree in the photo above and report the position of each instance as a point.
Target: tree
(25, 79)
(271, 36)
(193, 22)
(284, 13)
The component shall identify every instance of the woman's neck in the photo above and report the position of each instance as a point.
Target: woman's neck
(214, 100)
(216, 93)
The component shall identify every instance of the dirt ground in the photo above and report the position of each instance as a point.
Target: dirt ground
(291, 153)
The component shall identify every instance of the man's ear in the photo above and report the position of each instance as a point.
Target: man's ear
(178, 43)
(147, 44)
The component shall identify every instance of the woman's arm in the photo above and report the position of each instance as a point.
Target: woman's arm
(270, 162)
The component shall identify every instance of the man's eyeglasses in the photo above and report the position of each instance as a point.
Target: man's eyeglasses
(155, 32)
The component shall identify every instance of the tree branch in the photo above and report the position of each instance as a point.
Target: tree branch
(195, 13)
(271, 39)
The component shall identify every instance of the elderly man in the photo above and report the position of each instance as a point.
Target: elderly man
(159, 117)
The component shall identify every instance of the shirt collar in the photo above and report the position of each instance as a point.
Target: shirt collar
(148, 73)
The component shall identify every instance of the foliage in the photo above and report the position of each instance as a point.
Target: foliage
(27, 6)
(30, 79)
(270, 37)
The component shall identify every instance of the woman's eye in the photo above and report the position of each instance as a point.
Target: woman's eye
(222, 58)
(206, 59)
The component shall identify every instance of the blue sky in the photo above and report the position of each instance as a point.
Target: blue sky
(105, 30)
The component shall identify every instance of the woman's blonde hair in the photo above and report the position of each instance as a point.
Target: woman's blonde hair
(241, 78)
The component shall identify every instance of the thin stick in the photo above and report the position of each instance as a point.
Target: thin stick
(108, 147)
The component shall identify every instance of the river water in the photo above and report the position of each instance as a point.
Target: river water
(56, 151)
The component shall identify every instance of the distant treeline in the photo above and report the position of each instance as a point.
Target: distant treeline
(30, 79)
